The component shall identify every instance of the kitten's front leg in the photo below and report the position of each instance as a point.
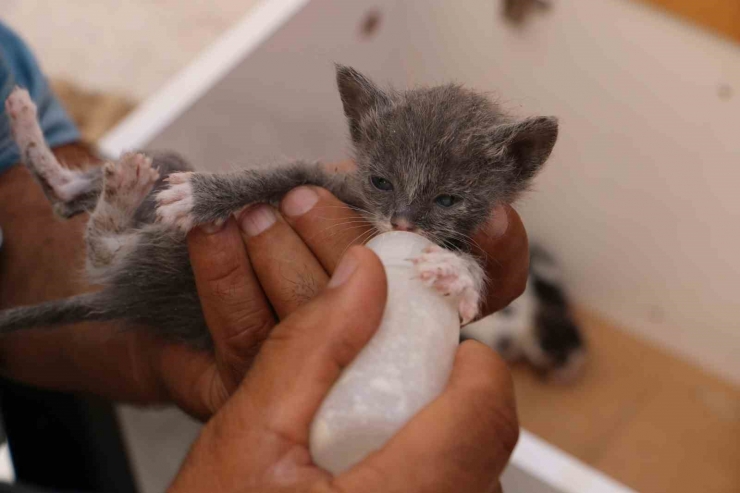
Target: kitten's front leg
(200, 198)
(453, 274)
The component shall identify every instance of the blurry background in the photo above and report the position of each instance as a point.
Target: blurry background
(639, 200)
(105, 56)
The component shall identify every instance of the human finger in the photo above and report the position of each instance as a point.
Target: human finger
(503, 245)
(305, 354)
(236, 310)
(261, 434)
(289, 272)
(327, 225)
(460, 442)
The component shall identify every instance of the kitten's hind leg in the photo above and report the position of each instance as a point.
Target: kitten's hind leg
(125, 185)
(198, 198)
(69, 191)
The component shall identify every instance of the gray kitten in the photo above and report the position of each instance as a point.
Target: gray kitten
(430, 160)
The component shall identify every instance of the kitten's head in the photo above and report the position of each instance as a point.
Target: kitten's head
(437, 160)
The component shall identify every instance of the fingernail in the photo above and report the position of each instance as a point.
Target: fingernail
(257, 219)
(347, 266)
(213, 228)
(500, 223)
(299, 201)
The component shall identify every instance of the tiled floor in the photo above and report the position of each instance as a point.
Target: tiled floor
(640, 415)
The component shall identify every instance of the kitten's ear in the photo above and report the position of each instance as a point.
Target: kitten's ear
(529, 142)
(359, 95)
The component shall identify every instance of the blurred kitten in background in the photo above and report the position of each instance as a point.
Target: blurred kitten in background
(537, 326)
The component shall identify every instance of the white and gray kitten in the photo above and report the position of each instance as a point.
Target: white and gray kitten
(537, 327)
(431, 160)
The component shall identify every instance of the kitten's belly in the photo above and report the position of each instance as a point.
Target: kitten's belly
(154, 286)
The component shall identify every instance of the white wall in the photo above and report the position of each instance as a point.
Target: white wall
(281, 101)
(640, 198)
(127, 47)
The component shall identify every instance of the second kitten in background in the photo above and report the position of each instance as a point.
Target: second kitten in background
(538, 326)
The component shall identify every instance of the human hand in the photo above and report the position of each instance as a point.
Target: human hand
(258, 441)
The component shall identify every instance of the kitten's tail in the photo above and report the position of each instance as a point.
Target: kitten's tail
(79, 308)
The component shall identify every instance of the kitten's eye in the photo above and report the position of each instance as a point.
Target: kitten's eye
(446, 200)
(381, 183)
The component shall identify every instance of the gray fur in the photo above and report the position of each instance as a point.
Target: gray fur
(436, 141)
(426, 142)
(82, 203)
(217, 196)
(74, 309)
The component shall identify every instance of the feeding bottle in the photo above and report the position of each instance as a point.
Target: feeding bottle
(403, 367)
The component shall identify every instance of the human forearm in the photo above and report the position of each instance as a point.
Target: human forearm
(91, 358)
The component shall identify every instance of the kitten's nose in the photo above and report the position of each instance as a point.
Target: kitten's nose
(402, 224)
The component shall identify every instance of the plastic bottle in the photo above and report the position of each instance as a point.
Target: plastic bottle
(404, 366)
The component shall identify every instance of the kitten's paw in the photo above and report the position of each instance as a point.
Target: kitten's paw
(23, 123)
(130, 180)
(451, 275)
(19, 104)
(175, 203)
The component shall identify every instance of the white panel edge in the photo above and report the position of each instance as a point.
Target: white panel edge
(185, 88)
(554, 467)
(7, 472)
